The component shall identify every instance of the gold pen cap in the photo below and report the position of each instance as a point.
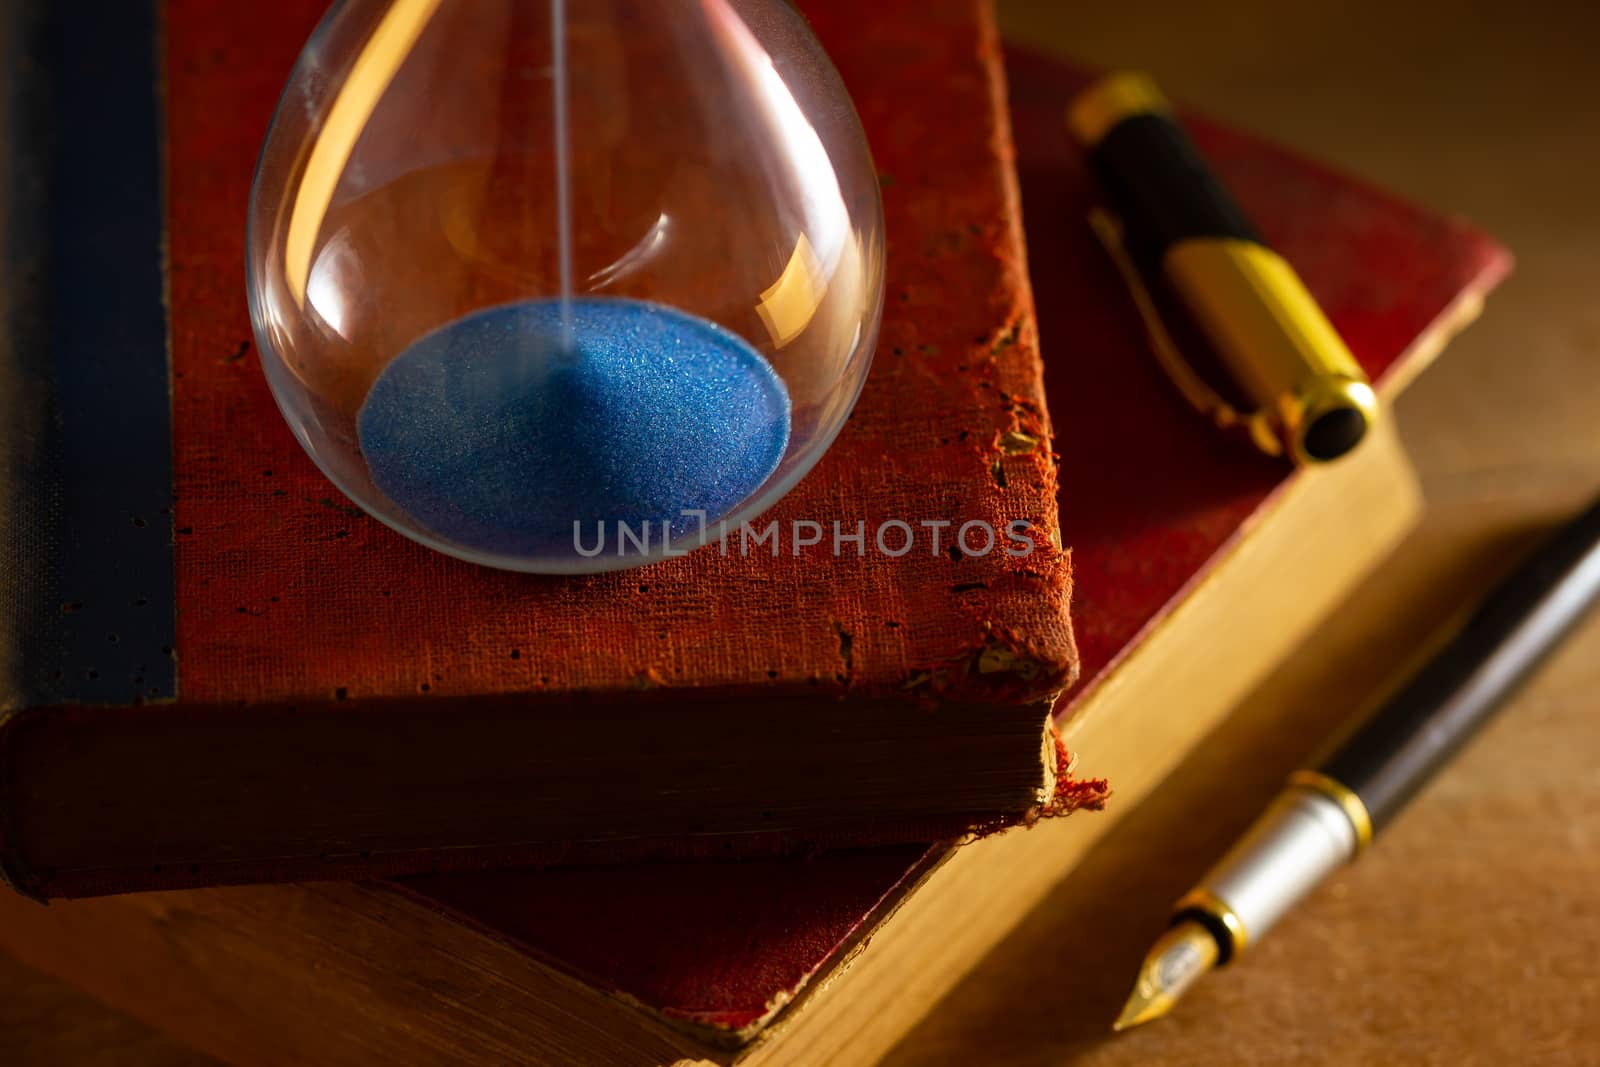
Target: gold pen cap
(1310, 398)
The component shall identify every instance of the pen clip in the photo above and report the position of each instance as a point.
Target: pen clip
(1194, 389)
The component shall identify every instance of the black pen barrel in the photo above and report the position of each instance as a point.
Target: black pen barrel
(1163, 188)
(1388, 759)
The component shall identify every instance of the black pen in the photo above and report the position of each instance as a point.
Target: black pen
(1308, 397)
(1327, 816)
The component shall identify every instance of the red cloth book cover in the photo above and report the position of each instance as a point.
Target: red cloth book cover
(219, 650)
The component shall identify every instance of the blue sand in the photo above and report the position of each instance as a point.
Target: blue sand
(495, 432)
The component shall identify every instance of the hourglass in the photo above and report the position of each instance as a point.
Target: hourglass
(565, 285)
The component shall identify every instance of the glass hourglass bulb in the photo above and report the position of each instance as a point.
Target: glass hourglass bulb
(562, 285)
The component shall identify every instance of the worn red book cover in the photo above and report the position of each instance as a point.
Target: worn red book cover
(227, 673)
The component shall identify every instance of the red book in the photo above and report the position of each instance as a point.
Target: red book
(534, 965)
(229, 674)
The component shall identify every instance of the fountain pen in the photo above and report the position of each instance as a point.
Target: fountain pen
(1327, 816)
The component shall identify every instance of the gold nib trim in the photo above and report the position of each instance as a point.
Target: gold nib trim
(1177, 960)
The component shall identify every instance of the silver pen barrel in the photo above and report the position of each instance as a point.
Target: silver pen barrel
(1298, 841)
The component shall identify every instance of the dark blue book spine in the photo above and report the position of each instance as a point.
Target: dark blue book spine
(86, 544)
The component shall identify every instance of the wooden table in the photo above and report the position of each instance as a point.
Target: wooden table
(1470, 935)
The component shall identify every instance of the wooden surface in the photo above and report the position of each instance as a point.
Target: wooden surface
(48, 1023)
(1468, 936)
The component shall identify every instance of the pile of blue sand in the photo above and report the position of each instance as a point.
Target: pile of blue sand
(497, 431)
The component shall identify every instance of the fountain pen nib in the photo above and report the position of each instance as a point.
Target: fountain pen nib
(1175, 962)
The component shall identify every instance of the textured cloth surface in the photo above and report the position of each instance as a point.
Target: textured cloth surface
(285, 595)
